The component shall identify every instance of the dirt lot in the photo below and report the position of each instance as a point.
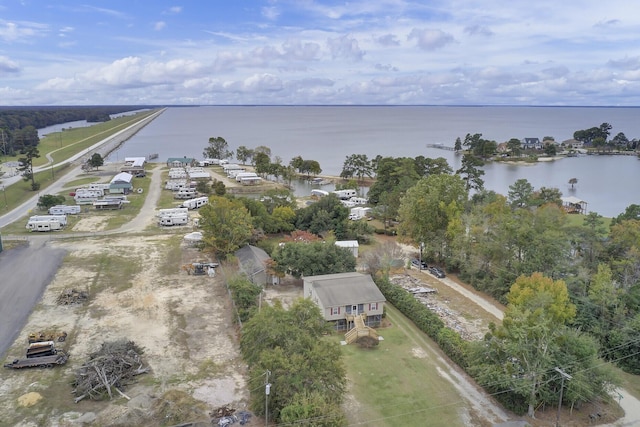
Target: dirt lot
(137, 290)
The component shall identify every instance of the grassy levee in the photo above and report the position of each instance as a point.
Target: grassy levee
(398, 383)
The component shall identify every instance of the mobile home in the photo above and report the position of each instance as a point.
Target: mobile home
(184, 193)
(171, 211)
(173, 220)
(64, 210)
(62, 219)
(196, 203)
(345, 194)
(43, 225)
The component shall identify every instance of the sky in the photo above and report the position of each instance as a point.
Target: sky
(300, 52)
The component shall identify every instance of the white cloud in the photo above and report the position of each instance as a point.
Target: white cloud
(7, 66)
(345, 47)
(160, 25)
(173, 10)
(21, 31)
(428, 39)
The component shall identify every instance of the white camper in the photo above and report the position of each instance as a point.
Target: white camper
(319, 193)
(195, 203)
(241, 175)
(171, 211)
(345, 194)
(89, 192)
(104, 186)
(184, 193)
(173, 220)
(62, 219)
(43, 225)
(64, 210)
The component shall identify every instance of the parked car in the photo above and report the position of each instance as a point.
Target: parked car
(421, 265)
(437, 272)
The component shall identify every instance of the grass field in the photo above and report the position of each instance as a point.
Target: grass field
(398, 382)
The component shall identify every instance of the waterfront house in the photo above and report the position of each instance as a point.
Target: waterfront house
(181, 162)
(344, 296)
(531, 144)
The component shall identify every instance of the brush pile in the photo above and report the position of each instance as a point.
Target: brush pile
(109, 369)
(72, 296)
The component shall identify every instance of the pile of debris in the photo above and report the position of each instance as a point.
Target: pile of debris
(111, 368)
(225, 416)
(72, 296)
(452, 319)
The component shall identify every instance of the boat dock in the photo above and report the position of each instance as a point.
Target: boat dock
(440, 146)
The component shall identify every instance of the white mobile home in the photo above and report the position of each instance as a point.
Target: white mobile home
(196, 203)
(173, 220)
(85, 200)
(89, 192)
(64, 210)
(184, 193)
(200, 175)
(62, 219)
(43, 225)
(171, 211)
(99, 186)
(319, 193)
(241, 175)
(345, 194)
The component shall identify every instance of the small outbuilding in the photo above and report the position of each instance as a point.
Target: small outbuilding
(572, 204)
(352, 245)
(253, 262)
(121, 183)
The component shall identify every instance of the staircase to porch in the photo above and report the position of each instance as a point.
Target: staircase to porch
(359, 329)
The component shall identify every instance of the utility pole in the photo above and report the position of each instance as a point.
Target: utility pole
(563, 375)
(267, 390)
(421, 248)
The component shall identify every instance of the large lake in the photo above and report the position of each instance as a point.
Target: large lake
(330, 134)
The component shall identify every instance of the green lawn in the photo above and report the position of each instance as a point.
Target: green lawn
(398, 383)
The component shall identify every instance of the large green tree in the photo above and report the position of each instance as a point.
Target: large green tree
(226, 225)
(430, 212)
(313, 258)
(26, 166)
(471, 172)
(326, 215)
(218, 148)
(517, 360)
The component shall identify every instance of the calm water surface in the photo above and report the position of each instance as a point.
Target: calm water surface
(330, 134)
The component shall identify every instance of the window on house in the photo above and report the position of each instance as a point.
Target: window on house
(335, 311)
(373, 306)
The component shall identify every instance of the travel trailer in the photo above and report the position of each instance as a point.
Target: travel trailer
(196, 203)
(345, 194)
(62, 219)
(319, 193)
(173, 220)
(185, 193)
(171, 211)
(64, 210)
(43, 225)
(241, 175)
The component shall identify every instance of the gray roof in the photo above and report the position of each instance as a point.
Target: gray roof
(252, 259)
(340, 289)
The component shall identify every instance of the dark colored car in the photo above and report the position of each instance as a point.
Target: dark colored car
(437, 272)
(421, 265)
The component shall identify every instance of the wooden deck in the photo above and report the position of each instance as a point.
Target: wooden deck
(360, 329)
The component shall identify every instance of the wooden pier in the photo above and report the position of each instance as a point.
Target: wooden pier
(440, 147)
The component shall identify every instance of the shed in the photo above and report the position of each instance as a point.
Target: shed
(253, 262)
(572, 204)
(121, 183)
(352, 245)
(344, 295)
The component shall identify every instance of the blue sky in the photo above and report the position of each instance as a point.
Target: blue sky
(231, 52)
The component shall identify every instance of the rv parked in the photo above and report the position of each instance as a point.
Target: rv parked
(89, 192)
(62, 219)
(171, 211)
(64, 210)
(319, 193)
(195, 203)
(185, 193)
(43, 225)
(241, 175)
(173, 220)
(345, 194)
(104, 186)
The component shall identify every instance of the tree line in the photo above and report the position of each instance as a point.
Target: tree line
(19, 125)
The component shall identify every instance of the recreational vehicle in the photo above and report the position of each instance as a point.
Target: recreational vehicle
(89, 192)
(43, 225)
(64, 210)
(241, 175)
(196, 203)
(184, 193)
(173, 220)
(62, 219)
(345, 194)
(171, 211)
(319, 193)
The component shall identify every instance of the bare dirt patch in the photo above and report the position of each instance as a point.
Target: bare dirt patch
(94, 223)
(182, 322)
